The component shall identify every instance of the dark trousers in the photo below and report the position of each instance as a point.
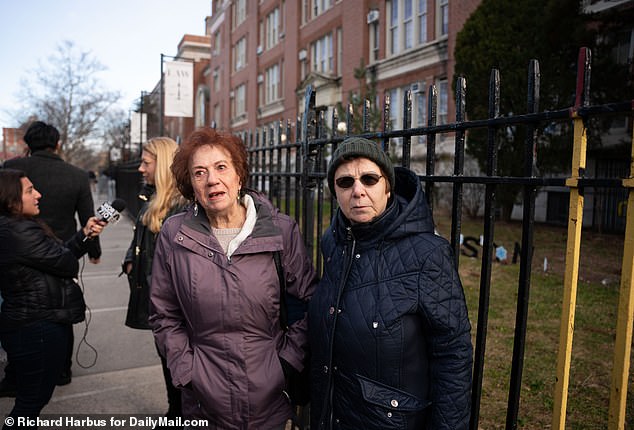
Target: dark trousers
(36, 353)
(173, 393)
(68, 360)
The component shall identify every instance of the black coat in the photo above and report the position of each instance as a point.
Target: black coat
(65, 191)
(388, 324)
(37, 271)
(141, 254)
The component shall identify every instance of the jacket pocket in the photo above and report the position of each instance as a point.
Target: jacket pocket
(73, 307)
(387, 405)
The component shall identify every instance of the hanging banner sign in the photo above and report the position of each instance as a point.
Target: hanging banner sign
(179, 89)
(138, 127)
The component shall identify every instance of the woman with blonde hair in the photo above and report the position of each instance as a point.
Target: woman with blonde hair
(161, 199)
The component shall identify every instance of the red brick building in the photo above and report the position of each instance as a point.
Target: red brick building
(265, 52)
(12, 143)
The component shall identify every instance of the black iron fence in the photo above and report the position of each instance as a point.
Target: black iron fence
(289, 163)
(128, 184)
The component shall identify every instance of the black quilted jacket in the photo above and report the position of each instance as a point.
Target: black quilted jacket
(388, 324)
(37, 271)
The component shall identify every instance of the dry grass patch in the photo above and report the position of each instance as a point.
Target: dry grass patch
(595, 322)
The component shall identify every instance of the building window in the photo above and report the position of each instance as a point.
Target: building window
(394, 111)
(420, 110)
(238, 100)
(241, 99)
(239, 54)
(339, 51)
(443, 101)
(397, 102)
(623, 51)
(303, 69)
(217, 43)
(394, 45)
(240, 12)
(305, 11)
(321, 6)
(407, 24)
(322, 54)
(397, 96)
(311, 9)
(272, 81)
(272, 28)
(216, 79)
(374, 41)
(443, 16)
(557, 207)
(422, 21)
(217, 7)
(201, 112)
(216, 119)
(261, 99)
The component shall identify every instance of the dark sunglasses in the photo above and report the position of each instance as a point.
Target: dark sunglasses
(368, 179)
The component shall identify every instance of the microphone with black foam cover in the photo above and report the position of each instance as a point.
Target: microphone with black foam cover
(110, 212)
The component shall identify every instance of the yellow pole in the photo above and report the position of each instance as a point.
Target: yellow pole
(625, 317)
(571, 277)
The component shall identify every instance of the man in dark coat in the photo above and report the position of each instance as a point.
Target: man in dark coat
(65, 192)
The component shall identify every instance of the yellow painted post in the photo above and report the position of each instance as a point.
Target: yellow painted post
(625, 317)
(571, 277)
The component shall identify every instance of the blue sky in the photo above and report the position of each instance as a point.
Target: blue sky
(126, 36)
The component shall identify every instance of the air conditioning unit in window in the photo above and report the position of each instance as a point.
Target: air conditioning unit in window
(301, 56)
(373, 16)
(417, 87)
(231, 94)
(260, 78)
(259, 50)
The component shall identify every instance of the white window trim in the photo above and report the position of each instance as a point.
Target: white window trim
(395, 28)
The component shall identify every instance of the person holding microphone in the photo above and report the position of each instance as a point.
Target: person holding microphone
(41, 297)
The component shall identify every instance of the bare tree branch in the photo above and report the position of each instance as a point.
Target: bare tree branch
(67, 92)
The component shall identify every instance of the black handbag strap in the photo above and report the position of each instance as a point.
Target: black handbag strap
(280, 274)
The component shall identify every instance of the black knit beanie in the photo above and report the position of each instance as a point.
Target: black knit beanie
(40, 135)
(356, 147)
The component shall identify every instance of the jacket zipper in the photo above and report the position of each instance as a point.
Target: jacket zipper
(350, 247)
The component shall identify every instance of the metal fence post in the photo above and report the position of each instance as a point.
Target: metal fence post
(526, 257)
(309, 159)
(573, 247)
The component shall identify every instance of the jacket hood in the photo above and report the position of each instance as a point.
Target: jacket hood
(407, 213)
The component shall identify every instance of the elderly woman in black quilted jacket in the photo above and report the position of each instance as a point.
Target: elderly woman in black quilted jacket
(39, 294)
(388, 324)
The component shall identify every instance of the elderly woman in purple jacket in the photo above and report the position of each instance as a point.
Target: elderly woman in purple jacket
(216, 291)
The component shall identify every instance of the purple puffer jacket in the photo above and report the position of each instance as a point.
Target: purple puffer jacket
(217, 319)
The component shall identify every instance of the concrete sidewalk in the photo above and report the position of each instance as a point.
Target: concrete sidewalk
(126, 376)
